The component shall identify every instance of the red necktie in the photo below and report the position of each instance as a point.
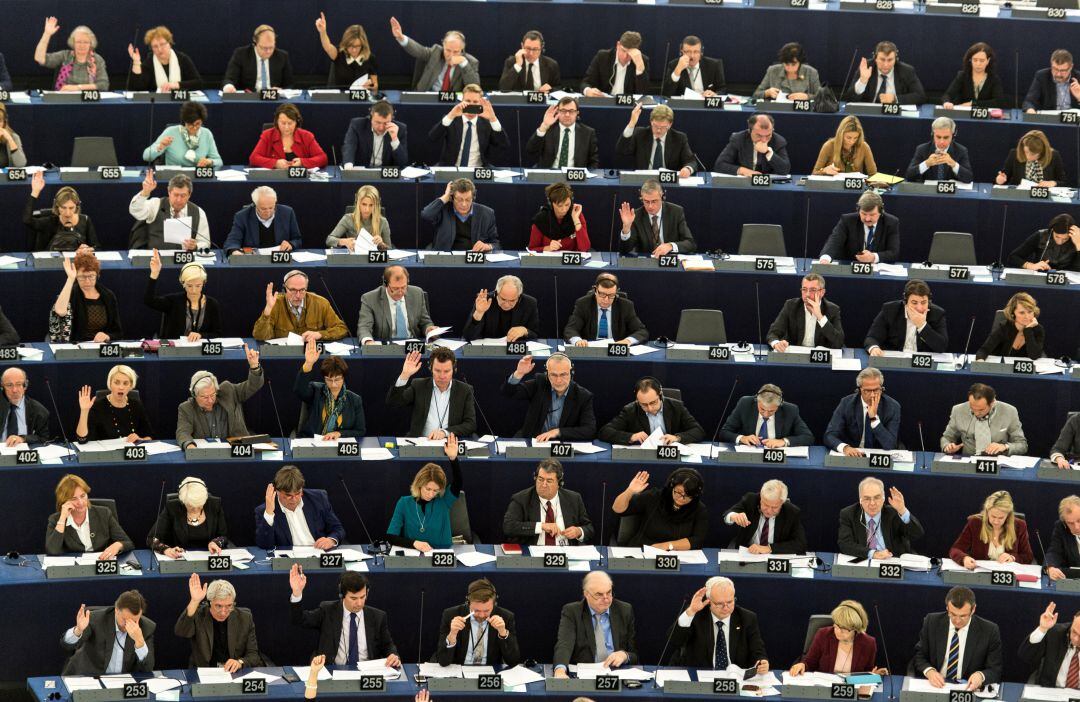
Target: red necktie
(549, 518)
(446, 80)
(1072, 678)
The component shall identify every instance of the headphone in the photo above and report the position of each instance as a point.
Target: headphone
(198, 377)
(682, 475)
(386, 274)
(193, 264)
(654, 381)
(363, 580)
(190, 481)
(605, 276)
(543, 44)
(908, 285)
(259, 30)
(560, 356)
(550, 465)
(291, 274)
(772, 389)
(477, 589)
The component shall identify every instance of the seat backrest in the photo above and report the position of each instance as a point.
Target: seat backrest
(106, 502)
(673, 393)
(102, 394)
(91, 152)
(999, 320)
(952, 248)
(815, 624)
(267, 125)
(762, 240)
(459, 519)
(629, 524)
(305, 410)
(698, 326)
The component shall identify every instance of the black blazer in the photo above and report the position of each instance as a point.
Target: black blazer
(524, 314)
(492, 143)
(174, 309)
(1014, 170)
(499, 651)
(898, 536)
(358, 145)
(243, 70)
(512, 80)
(622, 318)
(1037, 248)
(739, 151)
(327, 619)
(632, 419)
(37, 420)
(240, 636)
(8, 335)
(637, 150)
(78, 315)
(848, 238)
(693, 645)
(172, 528)
(790, 325)
(999, 342)
(523, 513)
(577, 421)
(1068, 441)
(601, 71)
(909, 89)
(712, 77)
(91, 654)
(743, 420)
(982, 650)
(546, 148)
(1063, 552)
(461, 415)
(962, 90)
(1047, 655)
(189, 75)
(959, 153)
(1042, 95)
(890, 326)
(576, 642)
(104, 530)
(788, 534)
(673, 230)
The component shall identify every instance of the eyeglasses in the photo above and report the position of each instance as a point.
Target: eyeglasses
(650, 405)
(607, 296)
(296, 291)
(811, 290)
(564, 111)
(680, 495)
(86, 276)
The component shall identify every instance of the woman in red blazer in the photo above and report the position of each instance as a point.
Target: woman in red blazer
(559, 225)
(844, 647)
(286, 144)
(995, 534)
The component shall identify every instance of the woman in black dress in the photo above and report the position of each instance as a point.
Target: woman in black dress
(191, 520)
(116, 415)
(672, 518)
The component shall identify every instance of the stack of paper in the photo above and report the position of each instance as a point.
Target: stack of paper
(434, 670)
(678, 674)
(519, 675)
(214, 675)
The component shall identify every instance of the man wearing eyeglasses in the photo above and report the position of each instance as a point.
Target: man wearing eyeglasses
(871, 529)
(596, 629)
(298, 311)
(605, 314)
(956, 646)
(807, 320)
(714, 632)
(571, 145)
(185, 221)
(514, 314)
(547, 514)
(651, 411)
(221, 633)
(478, 632)
(559, 408)
(528, 70)
(26, 419)
(866, 419)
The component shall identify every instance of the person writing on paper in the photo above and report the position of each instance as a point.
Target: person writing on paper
(26, 419)
(1056, 248)
(693, 71)
(515, 317)
(995, 534)
(984, 426)
(350, 631)
(868, 235)
(865, 419)
(886, 80)
(116, 414)
(1018, 333)
(847, 151)
(768, 522)
(547, 514)
(421, 519)
(394, 310)
(714, 633)
(80, 66)
(221, 633)
(459, 222)
(259, 65)
(956, 646)
(79, 526)
(470, 134)
(441, 405)
(872, 529)
(605, 314)
(172, 70)
(1066, 447)
(671, 518)
(559, 225)
(790, 75)
(844, 647)
(1032, 160)
(216, 410)
(263, 224)
(912, 324)
(186, 144)
(623, 70)
(11, 153)
(87, 311)
(649, 413)
(110, 641)
(63, 227)
(366, 226)
(941, 158)
(657, 228)
(559, 408)
(657, 146)
(764, 419)
(571, 145)
(190, 315)
(172, 222)
(807, 320)
(351, 60)
(755, 150)
(1052, 650)
(442, 67)
(491, 638)
(296, 310)
(528, 70)
(376, 141)
(1056, 87)
(1063, 554)
(193, 519)
(596, 629)
(977, 84)
(306, 517)
(333, 411)
(285, 144)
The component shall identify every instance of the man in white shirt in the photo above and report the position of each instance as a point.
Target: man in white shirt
(259, 65)
(306, 517)
(957, 646)
(572, 144)
(471, 134)
(1054, 650)
(115, 640)
(913, 324)
(478, 632)
(547, 514)
(528, 70)
(153, 214)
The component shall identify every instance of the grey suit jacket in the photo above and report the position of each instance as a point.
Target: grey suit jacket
(104, 530)
(191, 421)
(776, 77)
(200, 629)
(431, 57)
(376, 321)
(90, 655)
(1005, 428)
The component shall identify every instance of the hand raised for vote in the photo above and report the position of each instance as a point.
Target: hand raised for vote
(320, 23)
(482, 304)
(270, 499)
(896, 501)
(311, 354)
(451, 447)
(626, 214)
(639, 483)
(635, 115)
(271, 299)
(411, 365)
(196, 589)
(297, 580)
(252, 357)
(52, 26)
(525, 366)
(865, 71)
(82, 619)
(148, 183)
(550, 117)
(155, 265)
(86, 398)
(395, 29)
(698, 601)
(1048, 618)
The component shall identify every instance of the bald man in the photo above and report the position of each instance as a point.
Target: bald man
(597, 629)
(713, 632)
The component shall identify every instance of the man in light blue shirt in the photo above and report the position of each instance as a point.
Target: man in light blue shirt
(871, 529)
(109, 641)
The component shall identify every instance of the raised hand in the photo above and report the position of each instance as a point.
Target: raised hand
(395, 28)
(896, 501)
(411, 365)
(311, 354)
(524, 367)
(148, 183)
(297, 580)
(82, 619)
(451, 447)
(155, 265)
(550, 117)
(483, 302)
(134, 54)
(864, 71)
(252, 357)
(626, 214)
(271, 498)
(52, 26)
(639, 483)
(698, 602)
(86, 399)
(196, 589)
(1048, 618)
(271, 298)
(37, 184)
(320, 24)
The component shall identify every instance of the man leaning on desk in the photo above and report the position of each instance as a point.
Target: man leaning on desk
(956, 646)
(767, 521)
(808, 320)
(111, 640)
(913, 324)
(984, 426)
(596, 629)
(764, 419)
(871, 529)
(605, 313)
(305, 517)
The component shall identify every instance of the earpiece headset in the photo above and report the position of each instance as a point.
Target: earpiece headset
(559, 356)
(341, 583)
(199, 376)
(194, 264)
(432, 359)
(550, 465)
(543, 44)
(477, 589)
(770, 388)
(682, 475)
(605, 276)
(190, 481)
(259, 30)
(655, 381)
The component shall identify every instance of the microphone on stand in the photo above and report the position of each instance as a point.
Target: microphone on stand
(420, 679)
(150, 540)
(967, 343)
(727, 404)
(273, 402)
(333, 302)
(603, 513)
(56, 413)
(885, 650)
(922, 444)
(660, 660)
(377, 547)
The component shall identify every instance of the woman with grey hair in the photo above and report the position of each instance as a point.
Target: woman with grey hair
(192, 519)
(79, 67)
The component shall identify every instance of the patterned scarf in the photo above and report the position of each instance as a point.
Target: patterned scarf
(65, 70)
(331, 409)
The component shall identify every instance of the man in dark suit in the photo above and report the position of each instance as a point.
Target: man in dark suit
(757, 149)
(596, 629)
(559, 408)
(807, 320)
(1063, 555)
(26, 419)
(693, 70)
(887, 80)
(528, 70)
(491, 638)
(473, 138)
(1066, 448)
(871, 529)
(764, 419)
(1053, 649)
(213, 607)
(868, 235)
(366, 630)
(623, 70)
(656, 146)
(865, 419)
(604, 313)
(1056, 87)
(394, 310)
(571, 145)
(767, 521)
(376, 140)
(263, 224)
(650, 411)
(941, 158)
(309, 507)
(442, 67)
(913, 324)
(713, 632)
(440, 404)
(978, 660)
(515, 316)
(547, 514)
(259, 66)
(117, 639)
(461, 223)
(657, 228)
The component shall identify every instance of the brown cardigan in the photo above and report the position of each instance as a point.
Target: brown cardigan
(864, 159)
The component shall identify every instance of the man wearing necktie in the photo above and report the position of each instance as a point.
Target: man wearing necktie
(394, 310)
(768, 522)
(957, 646)
(714, 632)
(596, 629)
(26, 419)
(563, 141)
(442, 67)
(478, 632)
(868, 235)
(376, 140)
(758, 149)
(765, 420)
(657, 146)
(866, 419)
(623, 70)
(871, 529)
(1053, 650)
(693, 71)
(527, 69)
(657, 228)
(941, 158)
(259, 65)
(471, 134)
(984, 425)
(887, 80)
(604, 314)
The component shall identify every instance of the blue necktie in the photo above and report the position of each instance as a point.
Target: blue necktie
(870, 238)
(401, 330)
(868, 432)
(952, 665)
(354, 644)
(466, 144)
(265, 74)
(720, 661)
(602, 330)
(763, 432)
(658, 155)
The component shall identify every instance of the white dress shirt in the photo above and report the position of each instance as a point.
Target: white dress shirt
(562, 131)
(83, 531)
(963, 642)
(475, 161)
(911, 333)
(532, 67)
(1036, 637)
(557, 507)
(439, 411)
(343, 642)
(298, 528)
(619, 80)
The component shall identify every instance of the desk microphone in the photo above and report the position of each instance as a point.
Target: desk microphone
(151, 540)
(482, 415)
(56, 413)
(416, 209)
(420, 639)
(1038, 537)
(1016, 79)
(153, 100)
(727, 404)
(885, 649)
(131, 64)
(603, 513)
(521, 162)
(806, 238)
(1000, 262)
(671, 632)
(273, 401)
(664, 77)
(851, 66)
(611, 240)
(922, 444)
(377, 547)
(967, 343)
(757, 306)
(333, 152)
(333, 302)
(558, 332)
